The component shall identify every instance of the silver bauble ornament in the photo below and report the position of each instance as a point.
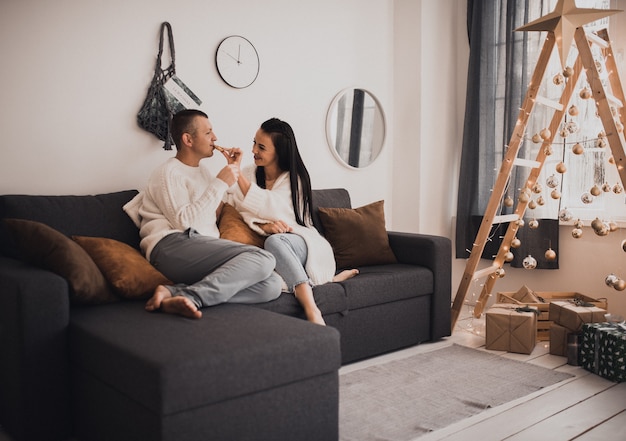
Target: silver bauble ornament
(529, 262)
(565, 215)
(611, 280)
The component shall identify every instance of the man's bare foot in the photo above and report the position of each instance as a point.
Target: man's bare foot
(160, 293)
(181, 306)
(345, 275)
(315, 317)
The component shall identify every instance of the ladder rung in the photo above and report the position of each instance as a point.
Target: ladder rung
(597, 40)
(526, 163)
(550, 103)
(505, 218)
(485, 271)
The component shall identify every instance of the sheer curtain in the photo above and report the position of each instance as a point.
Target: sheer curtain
(500, 66)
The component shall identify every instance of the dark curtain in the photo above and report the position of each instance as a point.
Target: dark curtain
(500, 66)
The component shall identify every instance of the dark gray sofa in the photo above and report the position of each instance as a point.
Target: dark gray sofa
(241, 372)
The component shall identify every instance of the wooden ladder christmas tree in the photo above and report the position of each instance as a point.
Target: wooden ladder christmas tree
(612, 121)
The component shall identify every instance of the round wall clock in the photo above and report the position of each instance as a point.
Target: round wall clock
(237, 61)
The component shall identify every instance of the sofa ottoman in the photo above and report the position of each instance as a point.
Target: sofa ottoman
(238, 373)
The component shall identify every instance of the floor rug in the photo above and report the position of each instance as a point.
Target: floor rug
(403, 399)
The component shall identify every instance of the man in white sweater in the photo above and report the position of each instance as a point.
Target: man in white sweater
(179, 235)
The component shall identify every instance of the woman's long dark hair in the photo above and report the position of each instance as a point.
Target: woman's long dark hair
(289, 160)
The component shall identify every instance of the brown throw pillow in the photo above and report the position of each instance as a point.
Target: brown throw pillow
(358, 236)
(47, 248)
(233, 227)
(130, 274)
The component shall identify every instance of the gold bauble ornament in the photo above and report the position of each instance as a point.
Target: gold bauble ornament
(508, 201)
(558, 79)
(519, 222)
(596, 224)
(573, 110)
(600, 143)
(550, 254)
(602, 134)
(500, 272)
(515, 243)
(556, 194)
(611, 160)
(561, 168)
(534, 224)
(568, 72)
(508, 257)
(606, 187)
(620, 285)
(579, 223)
(585, 93)
(524, 196)
(536, 138)
(577, 233)
(595, 190)
(545, 134)
(537, 188)
(578, 149)
(532, 205)
(541, 200)
(563, 133)
(617, 189)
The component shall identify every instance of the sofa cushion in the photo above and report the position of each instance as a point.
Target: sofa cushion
(90, 215)
(233, 227)
(125, 268)
(358, 236)
(329, 297)
(380, 284)
(49, 249)
(170, 364)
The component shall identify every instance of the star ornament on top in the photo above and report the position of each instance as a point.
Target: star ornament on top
(564, 21)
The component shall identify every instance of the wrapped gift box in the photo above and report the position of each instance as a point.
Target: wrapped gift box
(558, 340)
(572, 315)
(565, 343)
(603, 350)
(511, 328)
(543, 305)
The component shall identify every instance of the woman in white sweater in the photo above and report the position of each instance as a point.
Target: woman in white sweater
(274, 198)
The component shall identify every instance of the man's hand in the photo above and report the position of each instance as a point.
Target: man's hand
(229, 174)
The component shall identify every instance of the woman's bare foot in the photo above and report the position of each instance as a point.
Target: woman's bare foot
(162, 299)
(345, 275)
(181, 306)
(315, 316)
(160, 293)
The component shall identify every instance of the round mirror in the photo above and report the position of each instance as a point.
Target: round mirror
(355, 128)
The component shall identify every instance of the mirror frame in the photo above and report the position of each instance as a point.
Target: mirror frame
(331, 137)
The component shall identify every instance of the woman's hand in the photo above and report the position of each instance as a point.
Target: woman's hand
(275, 227)
(233, 155)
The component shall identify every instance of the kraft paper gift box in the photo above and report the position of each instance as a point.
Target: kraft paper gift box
(603, 350)
(511, 328)
(558, 339)
(573, 317)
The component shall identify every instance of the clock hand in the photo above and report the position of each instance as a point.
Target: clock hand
(239, 54)
(232, 57)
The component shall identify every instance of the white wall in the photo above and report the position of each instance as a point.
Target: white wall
(75, 74)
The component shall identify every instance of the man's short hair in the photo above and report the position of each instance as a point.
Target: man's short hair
(182, 122)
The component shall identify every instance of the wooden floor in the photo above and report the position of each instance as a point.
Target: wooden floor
(586, 407)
